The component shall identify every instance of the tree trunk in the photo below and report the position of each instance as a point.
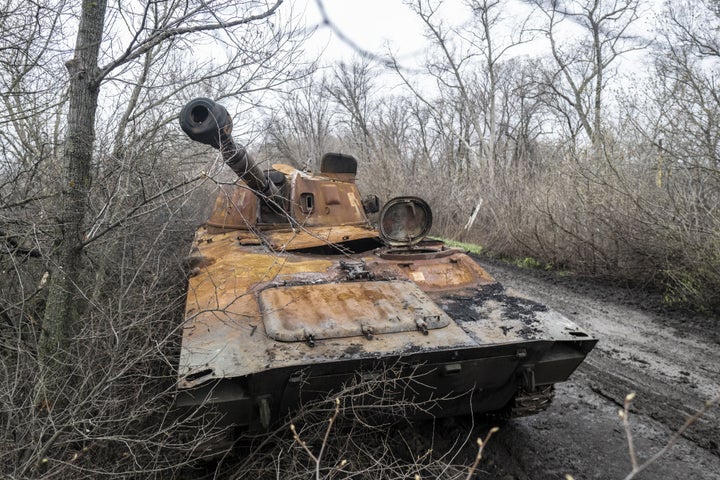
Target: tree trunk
(61, 318)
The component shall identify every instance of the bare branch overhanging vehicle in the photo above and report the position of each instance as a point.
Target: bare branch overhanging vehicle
(294, 294)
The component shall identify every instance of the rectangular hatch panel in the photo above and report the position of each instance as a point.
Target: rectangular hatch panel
(335, 310)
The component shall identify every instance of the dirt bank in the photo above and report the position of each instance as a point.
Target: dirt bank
(671, 361)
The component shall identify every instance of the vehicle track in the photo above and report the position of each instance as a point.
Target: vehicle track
(671, 362)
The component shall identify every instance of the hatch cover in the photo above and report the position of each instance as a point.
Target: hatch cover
(336, 310)
(405, 221)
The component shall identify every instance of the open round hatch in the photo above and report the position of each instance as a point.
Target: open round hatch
(404, 221)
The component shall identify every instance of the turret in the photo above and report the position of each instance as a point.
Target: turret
(283, 195)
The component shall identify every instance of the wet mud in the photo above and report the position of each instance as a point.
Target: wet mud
(670, 360)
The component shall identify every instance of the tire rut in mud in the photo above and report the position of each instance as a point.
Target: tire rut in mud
(669, 361)
(661, 402)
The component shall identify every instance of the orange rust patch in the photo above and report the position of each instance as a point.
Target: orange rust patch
(335, 205)
(456, 271)
(229, 282)
(316, 237)
(235, 208)
(335, 310)
(284, 169)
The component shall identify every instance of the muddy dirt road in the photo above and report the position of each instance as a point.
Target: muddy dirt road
(671, 361)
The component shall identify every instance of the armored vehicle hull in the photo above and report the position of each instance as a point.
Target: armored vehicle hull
(293, 295)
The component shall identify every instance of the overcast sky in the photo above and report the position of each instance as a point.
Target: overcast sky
(375, 25)
(371, 24)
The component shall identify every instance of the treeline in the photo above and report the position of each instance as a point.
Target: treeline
(557, 156)
(100, 195)
(599, 154)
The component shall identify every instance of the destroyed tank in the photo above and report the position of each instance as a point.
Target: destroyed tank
(294, 295)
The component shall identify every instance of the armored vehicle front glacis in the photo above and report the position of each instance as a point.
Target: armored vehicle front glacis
(293, 294)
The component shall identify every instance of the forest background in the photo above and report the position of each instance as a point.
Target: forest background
(558, 159)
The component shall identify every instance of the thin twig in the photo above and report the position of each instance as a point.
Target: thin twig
(625, 416)
(317, 458)
(688, 423)
(481, 446)
(325, 438)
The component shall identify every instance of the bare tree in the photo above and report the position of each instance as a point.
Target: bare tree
(302, 131)
(467, 69)
(96, 189)
(31, 127)
(678, 121)
(351, 88)
(148, 29)
(686, 86)
(583, 67)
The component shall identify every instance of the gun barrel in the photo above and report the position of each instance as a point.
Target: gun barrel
(208, 122)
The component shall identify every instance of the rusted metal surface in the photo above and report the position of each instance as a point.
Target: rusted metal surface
(444, 270)
(312, 201)
(307, 237)
(294, 287)
(334, 202)
(235, 208)
(286, 170)
(349, 309)
(226, 331)
(489, 313)
(405, 221)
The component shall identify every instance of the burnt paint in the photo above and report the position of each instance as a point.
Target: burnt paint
(467, 306)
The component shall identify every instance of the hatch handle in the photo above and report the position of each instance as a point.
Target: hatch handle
(421, 325)
(368, 331)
